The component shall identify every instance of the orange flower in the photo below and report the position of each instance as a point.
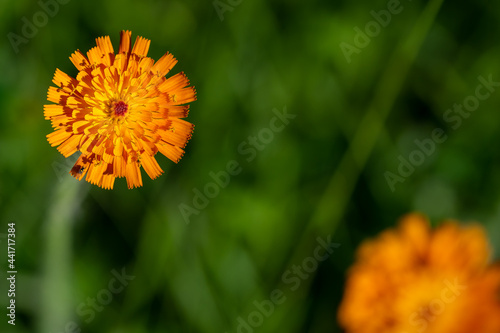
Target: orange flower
(119, 112)
(414, 279)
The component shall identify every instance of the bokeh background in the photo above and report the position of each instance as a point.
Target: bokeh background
(323, 175)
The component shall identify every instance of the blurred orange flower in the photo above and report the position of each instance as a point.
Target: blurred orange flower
(119, 112)
(414, 279)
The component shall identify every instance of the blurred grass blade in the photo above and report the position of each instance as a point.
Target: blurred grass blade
(334, 200)
(57, 306)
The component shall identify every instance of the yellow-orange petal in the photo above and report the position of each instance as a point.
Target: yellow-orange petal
(62, 79)
(57, 95)
(141, 46)
(106, 50)
(415, 229)
(455, 247)
(52, 110)
(59, 136)
(70, 146)
(151, 166)
(179, 132)
(125, 41)
(133, 175)
(164, 65)
(79, 60)
(178, 111)
(174, 83)
(108, 181)
(172, 152)
(119, 166)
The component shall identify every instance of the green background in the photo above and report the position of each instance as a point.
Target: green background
(323, 175)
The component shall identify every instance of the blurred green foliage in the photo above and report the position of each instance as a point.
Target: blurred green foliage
(206, 275)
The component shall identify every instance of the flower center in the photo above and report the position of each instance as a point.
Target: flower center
(121, 108)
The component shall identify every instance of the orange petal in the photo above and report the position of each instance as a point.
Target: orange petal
(119, 166)
(124, 41)
(70, 146)
(62, 79)
(141, 46)
(108, 181)
(106, 49)
(170, 151)
(175, 82)
(59, 136)
(151, 166)
(79, 60)
(133, 175)
(52, 110)
(164, 65)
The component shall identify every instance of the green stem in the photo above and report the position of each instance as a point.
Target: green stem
(332, 204)
(334, 200)
(57, 306)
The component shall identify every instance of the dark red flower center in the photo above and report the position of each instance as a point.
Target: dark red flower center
(121, 108)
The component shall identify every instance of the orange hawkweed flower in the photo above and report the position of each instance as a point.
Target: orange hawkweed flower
(415, 279)
(119, 112)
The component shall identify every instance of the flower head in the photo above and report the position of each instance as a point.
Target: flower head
(119, 112)
(415, 279)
